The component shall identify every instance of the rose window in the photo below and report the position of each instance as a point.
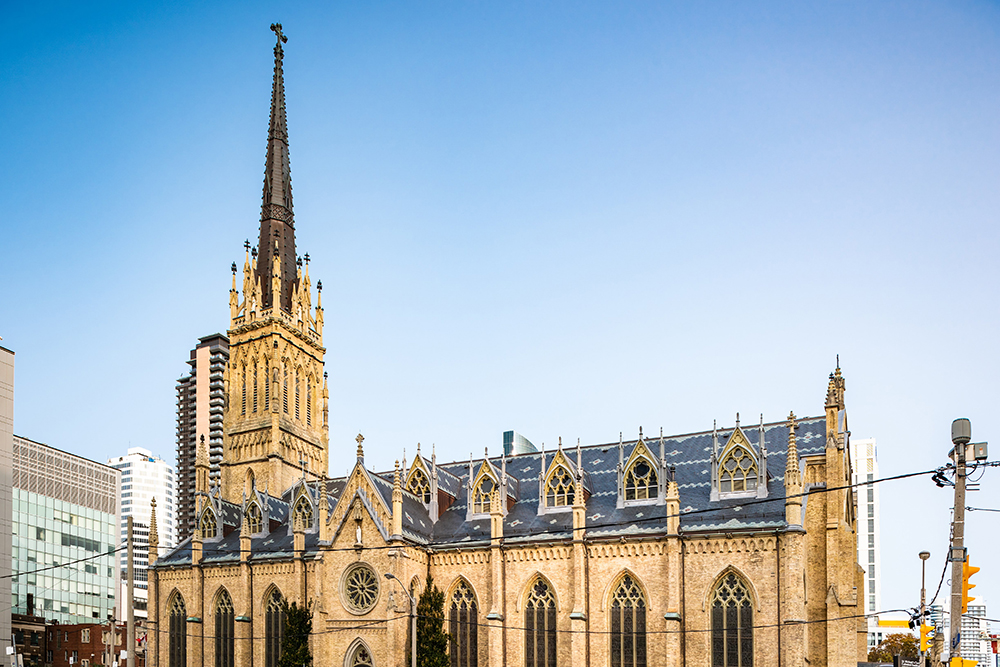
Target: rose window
(360, 588)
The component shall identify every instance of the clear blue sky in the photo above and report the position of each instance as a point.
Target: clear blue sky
(566, 219)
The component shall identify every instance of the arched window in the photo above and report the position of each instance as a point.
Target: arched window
(463, 628)
(540, 626)
(298, 383)
(737, 471)
(732, 623)
(419, 486)
(254, 518)
(360, 656)
(481, 495)
(208, 525)
(303, 511)
(255, 386)
(224, 630)
(284, 393)
(309, 402)
(243, 409)
(267, 384)
(178, 632)
(560, 488)
(628, 625)
(274, 628)
(640, 481)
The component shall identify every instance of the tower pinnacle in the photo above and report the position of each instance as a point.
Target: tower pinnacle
(277, 224)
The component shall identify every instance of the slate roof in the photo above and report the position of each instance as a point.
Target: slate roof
(690, 455)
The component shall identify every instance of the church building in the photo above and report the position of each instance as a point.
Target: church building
(731, 547)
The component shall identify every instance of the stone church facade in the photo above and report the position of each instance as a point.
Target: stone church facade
(732, 546)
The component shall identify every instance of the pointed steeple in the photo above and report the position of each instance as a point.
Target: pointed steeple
(277, 226)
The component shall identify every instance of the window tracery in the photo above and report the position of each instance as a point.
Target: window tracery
(208, 525)
(419, 486)
(732, 623)
(361, 657)
(255, 518)
(463, 627)
(737, 471)
(360, 588)
(560, 489)
(641, 482)
(540, 626)
(481, 495)
(177, 636)
(224, 630)
(628, 625)
(255, 387)
(274, 628)
(303, 511)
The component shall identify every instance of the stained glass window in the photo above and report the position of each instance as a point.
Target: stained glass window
(737, 471)
(560, 488)
(628, 625)
(254, 518)
(732, 624)
(640, 481)
(303, 511)
(419, 486)
(540, 626)
(463, 628)
(361, 588)
(274, 628)
(481, 496)
(178, 633)
(207, 525)
(224, 630)
(360, 657)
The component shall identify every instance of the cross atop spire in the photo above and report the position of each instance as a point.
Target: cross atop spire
(276, 218)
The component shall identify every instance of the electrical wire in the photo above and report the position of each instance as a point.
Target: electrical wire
(72, 562)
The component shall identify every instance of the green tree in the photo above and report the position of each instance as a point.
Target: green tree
(432, 640)
(295, 640)
(901, 644)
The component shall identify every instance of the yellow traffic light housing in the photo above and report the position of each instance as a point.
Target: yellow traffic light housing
(962, 662)
(967, 572)
(926, 637)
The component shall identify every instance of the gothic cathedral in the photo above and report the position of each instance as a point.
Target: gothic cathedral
(731, 547)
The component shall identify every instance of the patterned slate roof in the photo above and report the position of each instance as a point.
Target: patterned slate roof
(689, 455)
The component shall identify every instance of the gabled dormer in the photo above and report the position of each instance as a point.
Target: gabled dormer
(484, 479)
(302, 508)
(210, 526)
(560, 481)
(643, 477)
(739, 470)
(256, 510)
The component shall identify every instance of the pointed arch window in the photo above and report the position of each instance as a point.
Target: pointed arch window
(267, 384)
(225, 631)
(303, 512)
(560, 489)
(732, 623)
(419, 486)
(481, 495)
(540, 626)
(737, 471)
(298, 382)
(309, 402)
(177, 637)
(255, 518)
(208, 525)
(274, 628)
(284, 394)
(628, 625)
(255, 387)
(641, 482)
(463, 628)
(243, 408)
(360, 657)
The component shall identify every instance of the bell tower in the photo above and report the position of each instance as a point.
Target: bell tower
(275, 413)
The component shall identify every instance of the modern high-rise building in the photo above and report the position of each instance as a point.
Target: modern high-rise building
(143, 478)
(6, 494)
(975, 641)
(864, 456)
(200, 399)
(65, 514)
(514, 443)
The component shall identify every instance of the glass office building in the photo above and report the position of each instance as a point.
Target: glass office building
(65, 509)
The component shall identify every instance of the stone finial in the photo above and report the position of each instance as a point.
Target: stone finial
(361, 450)
(154, 535)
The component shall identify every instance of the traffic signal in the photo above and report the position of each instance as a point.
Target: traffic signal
(967, 572)
(926, 637)
(962, 662)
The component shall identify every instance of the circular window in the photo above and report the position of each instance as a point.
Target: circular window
(359, 588)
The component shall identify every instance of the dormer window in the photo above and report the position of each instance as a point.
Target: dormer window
(737, 472)
(254, 518)
(481, 495)
(560, 489)
(208, 525)
(420, 486)
(640, 481)
(303, 512)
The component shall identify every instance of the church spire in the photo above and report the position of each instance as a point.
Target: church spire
(277, 226)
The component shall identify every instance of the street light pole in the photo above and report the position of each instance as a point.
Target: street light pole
(924, 555)
(961, 435)
(413, 619)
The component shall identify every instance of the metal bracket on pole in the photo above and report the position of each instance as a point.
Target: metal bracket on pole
(958, 555)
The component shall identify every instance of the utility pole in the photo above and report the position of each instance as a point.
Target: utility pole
(130, 628)
(961, 434)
